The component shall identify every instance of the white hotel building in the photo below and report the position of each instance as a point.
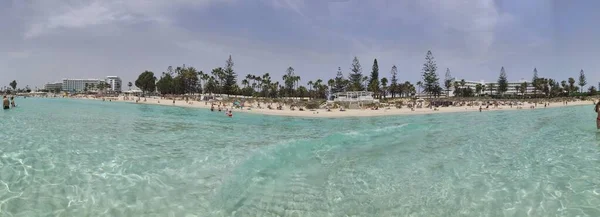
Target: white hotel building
(114, 83)
(511, 87)
(78, 85)
(53, 86)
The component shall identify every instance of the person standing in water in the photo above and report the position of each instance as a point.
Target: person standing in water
(598, 116)
(12, 102)
(5, 103)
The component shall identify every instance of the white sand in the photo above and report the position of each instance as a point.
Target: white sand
(335, 113)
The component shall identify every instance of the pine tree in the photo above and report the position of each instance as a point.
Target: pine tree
(582, 80)
(431, 83)
(502, 82)
(448, 81)
(535, 81)
(230, 77)
(394, 81)
(340, 81)
(374, 80)
(356, 77)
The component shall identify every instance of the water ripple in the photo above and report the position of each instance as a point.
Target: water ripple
(86, 158)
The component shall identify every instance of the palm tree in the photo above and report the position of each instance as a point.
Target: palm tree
(266, 83)
(330, 83)
(384, 86)
(491, 86)
(457, 90)
(245, 83)
(317, 87)
(310, 87)
(297, 83)
(419, 84)
(478, 88)
(129, 85)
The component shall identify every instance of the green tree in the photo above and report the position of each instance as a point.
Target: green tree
(491, 87)
(340, 82)
(289, 79)
(571, 85)
(218, 75)
(356, 77)
(266, 85)
(186, 80)
(394, 87)
(502, 82)
(129, 85)
(478, 88)
(430, 78)
(582, 80)
(384, 87)
(592, 91)
(534, 81)
(101, 86)
(145, 81)
(457, 89)
(165, 84)
(302, 92)
(230, 77)
(13, 84)
(523, 88)
(448, 82)
(211, 85)
(419, 85)
(374, 79)
(310, 85)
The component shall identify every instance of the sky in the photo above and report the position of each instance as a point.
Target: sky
(47, 40)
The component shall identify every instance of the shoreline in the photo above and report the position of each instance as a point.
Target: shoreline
(335, 113)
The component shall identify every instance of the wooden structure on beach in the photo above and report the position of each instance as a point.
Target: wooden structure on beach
(354, 99)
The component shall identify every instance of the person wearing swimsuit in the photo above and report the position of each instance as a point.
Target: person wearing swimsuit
(598, 117)
(5, 103)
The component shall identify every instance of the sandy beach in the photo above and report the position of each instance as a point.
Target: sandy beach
(335, 113)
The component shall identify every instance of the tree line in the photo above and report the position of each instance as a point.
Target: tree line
(183, 80)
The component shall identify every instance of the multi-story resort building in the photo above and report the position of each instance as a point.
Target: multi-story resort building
(114, 83)
(78, 85)
(512, 87)
(53, 86)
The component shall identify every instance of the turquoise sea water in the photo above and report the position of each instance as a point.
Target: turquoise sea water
(63, 157)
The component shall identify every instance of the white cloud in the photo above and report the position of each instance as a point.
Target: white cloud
(97, 12)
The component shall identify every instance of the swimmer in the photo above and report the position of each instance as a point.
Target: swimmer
(12, 101)
(5, 103)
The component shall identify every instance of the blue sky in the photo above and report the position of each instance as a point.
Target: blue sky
(47, 40)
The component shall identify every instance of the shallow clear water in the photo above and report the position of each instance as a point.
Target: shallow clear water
(90, 158)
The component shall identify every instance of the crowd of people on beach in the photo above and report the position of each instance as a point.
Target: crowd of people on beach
(7, 104)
